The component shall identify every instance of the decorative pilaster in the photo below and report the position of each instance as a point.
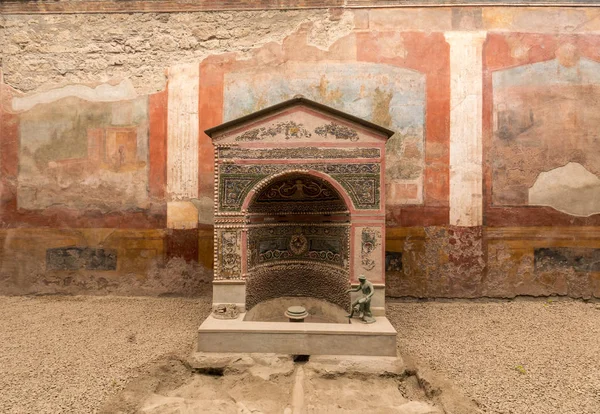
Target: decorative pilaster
(182, 146)
(466, 78)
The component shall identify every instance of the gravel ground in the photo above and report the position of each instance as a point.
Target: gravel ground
(511, 357)
(67, 354)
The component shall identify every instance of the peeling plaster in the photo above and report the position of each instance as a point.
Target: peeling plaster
(326, 32)
(571, 189)
(101, 93)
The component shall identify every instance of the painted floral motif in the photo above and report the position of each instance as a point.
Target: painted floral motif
(305, 153)
(289, 129)
(230, 258)
(351, 168)
(361, 180)
(338, 131)
(369, 241)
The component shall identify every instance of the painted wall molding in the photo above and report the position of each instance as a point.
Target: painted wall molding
(466, 91)
(182, 132)
(173, 6)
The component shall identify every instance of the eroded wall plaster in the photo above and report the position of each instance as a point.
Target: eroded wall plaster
(40, 52)
(105, 92)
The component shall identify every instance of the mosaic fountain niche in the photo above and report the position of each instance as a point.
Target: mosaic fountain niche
(299, 215)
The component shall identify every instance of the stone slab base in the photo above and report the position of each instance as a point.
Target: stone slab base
(356, 338)
(268, 365)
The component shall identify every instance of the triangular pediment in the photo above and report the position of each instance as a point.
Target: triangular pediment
(301, 121)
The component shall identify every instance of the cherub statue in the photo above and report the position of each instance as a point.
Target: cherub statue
(362, 305)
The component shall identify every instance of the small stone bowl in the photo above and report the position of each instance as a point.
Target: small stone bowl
(296, 313)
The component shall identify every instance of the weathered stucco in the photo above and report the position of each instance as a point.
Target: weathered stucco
(106, 176)
(26, 267)
(40, 52)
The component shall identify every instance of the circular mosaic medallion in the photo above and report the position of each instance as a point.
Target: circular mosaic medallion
(298, 244)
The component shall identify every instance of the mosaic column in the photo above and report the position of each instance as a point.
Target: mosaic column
(466, 78)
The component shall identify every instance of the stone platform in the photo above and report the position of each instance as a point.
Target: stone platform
(356, 338)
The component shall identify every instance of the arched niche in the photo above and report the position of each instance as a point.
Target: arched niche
(298, 239)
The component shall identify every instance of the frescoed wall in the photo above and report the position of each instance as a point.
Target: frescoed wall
(541, 171)
(492, 178)
(546, 118)
(85, 155)
(379, 76)
(390, 96)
